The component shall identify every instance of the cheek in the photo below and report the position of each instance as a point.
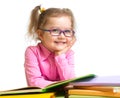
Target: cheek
(47, 38)
(69, 39)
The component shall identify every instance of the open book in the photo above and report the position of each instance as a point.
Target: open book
(27, 90)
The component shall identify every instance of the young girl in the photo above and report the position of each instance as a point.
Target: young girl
(51, 60)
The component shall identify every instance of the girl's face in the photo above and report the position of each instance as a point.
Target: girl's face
(56, 43)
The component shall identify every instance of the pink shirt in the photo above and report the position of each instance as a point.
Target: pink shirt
(42, 67)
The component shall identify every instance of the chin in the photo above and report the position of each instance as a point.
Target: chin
(58, 49)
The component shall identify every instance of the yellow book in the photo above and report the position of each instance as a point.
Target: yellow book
(99, 88)
(42, 95)
(93, 93)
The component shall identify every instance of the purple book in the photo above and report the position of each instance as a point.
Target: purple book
(99, 81)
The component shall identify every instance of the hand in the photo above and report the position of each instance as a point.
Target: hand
(67, 47)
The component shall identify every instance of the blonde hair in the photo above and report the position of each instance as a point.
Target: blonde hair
(39, 19)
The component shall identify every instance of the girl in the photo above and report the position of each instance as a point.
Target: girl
(51, 60)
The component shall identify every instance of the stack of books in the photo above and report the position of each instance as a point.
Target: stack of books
(98, 87)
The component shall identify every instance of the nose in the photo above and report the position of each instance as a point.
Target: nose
(62, 35)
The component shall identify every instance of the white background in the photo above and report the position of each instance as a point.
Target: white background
(97, 49)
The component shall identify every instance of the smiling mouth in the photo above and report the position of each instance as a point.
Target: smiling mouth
(60, 42)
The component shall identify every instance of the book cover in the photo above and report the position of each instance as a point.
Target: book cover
(93, 93)
(99, 81)
(99, 88)
(43, 95)
(48, 88)
(85, 96)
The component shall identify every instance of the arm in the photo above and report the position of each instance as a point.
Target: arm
(32, 70)
(65, 61)
(65, 65)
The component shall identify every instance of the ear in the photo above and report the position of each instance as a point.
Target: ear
(40, 34)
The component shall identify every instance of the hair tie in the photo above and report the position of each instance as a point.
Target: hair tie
(41, 9)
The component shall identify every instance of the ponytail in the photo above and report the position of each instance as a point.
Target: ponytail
(33, 25)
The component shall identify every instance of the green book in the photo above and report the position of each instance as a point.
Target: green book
(84, 96)
(27, 90)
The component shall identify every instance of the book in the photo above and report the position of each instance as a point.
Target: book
(99, 88)
(49, 88)
(85, 96)
(43, 95)
(93, 93)
(99, 81)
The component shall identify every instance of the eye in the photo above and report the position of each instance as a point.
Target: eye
(55, 30)
(68, 31)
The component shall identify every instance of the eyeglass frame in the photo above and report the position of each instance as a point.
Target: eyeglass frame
(60, 31)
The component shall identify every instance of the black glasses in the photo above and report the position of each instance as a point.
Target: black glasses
(57, 32)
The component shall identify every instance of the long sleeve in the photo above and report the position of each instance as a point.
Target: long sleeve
(34, 75)
(65, 65)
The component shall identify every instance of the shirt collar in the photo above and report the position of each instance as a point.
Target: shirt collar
(45, 53)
